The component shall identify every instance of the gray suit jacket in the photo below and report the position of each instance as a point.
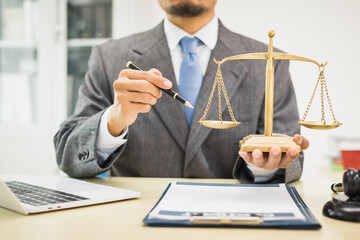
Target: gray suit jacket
(160, 144)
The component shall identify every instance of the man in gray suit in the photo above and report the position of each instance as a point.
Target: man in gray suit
(122, 122)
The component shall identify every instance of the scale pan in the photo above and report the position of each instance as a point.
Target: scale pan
(218, 124)
(320, 125)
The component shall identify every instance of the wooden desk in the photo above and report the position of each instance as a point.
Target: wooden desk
(123, 220)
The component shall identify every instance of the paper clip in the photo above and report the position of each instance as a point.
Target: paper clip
(226, 218)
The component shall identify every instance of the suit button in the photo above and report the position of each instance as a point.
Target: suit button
(84, 155)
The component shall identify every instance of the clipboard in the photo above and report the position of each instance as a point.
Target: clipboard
(234, 219)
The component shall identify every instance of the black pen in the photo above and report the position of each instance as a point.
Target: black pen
(173, 94)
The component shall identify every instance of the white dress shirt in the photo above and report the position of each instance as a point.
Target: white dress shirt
(208, 35)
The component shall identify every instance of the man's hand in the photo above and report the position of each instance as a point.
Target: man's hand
(134, 92)
(275, 159)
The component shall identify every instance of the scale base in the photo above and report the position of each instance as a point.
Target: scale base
(342, 208)
(265, 143)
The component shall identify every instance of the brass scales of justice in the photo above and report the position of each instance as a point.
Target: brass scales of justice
(268, 139)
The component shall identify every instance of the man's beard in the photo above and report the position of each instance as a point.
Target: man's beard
(186, 9)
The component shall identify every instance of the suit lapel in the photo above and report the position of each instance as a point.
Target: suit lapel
(233, 73)
(155, 54)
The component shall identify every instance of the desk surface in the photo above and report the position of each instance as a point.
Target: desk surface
(123, 220)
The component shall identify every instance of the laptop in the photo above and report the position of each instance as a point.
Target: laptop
(44, 194)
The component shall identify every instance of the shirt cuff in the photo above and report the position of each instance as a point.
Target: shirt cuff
(261, 174)
(106, 143)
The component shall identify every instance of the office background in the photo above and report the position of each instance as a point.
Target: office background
(44, 46)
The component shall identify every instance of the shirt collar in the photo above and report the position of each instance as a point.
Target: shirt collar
(208, 34)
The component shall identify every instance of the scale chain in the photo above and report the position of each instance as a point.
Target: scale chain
(323, 84)
(211, 94)
(227, 101)
(311, 99)
(219, 80)
(322, 98)
(328, 98)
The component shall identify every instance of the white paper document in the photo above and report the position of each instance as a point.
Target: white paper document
(182, 201)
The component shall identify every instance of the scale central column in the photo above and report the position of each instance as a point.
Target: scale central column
(269, 88)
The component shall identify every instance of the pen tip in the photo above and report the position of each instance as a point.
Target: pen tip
(128, 64)
(188, 104)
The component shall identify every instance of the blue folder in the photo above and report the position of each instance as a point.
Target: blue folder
(309, 223)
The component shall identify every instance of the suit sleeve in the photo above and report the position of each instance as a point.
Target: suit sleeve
(285, 121)
(75, 142)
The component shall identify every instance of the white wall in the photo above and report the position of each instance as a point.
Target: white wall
(28, 148)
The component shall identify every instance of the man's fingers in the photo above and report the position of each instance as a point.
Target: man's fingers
(273, 159)
(137, 107)
(136, 97)
(151, 77)
(258, 158)
(155, 71)
(246, 156)
(288, 158)
(135, 92)
(142, 86)
(303, 142)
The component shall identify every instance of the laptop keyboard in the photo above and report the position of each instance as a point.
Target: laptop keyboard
(37, 196)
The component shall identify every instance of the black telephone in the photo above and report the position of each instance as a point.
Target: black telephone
(346, 205)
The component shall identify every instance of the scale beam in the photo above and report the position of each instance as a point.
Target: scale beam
(285, 56)
(264, 56)
(246, 56)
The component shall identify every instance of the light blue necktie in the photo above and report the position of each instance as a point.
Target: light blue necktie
(190, 75)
